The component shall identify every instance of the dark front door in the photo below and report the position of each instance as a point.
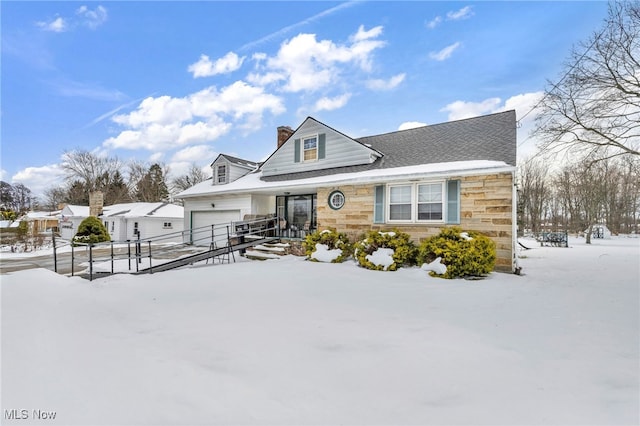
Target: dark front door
(299, 212)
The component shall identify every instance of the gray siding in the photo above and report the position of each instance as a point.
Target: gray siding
(340, 151)
(233, 171)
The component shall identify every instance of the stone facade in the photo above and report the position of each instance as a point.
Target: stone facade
(486, 205)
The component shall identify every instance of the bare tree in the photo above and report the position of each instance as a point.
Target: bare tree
(194, 176)
(89, 168)
(595, 108)
(534, 191)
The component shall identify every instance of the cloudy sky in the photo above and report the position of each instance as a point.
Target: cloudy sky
(180, 82)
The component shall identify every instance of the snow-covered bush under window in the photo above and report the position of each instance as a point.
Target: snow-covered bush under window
(385, 251)
(465, 254)
(327, 246)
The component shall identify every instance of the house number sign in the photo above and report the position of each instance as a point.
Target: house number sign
(336, 200)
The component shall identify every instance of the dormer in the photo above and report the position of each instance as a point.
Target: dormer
(225, 169)
(316, 146)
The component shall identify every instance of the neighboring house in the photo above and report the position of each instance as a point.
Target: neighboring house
(417, 180)
(40, 221)
(125, 221)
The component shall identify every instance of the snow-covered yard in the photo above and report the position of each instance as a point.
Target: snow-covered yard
(294, 342)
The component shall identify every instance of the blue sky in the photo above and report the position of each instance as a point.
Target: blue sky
(180, 82)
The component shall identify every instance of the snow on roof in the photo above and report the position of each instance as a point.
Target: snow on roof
(253, 183)
(158, 209)
(75, 210)
(41, 214)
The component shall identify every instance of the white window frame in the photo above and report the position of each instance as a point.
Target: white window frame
(442, 201)
(167, 225)
(303, 149)
(414, 202)
(224, 175)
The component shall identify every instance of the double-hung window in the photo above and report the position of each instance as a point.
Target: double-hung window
(400, 201)
(222, 173)
(416, 202)
(430, 201)
(310, 148)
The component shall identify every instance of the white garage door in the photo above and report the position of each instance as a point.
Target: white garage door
(201, 224)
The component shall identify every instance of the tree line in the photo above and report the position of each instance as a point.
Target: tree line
(578, 195)
(119, 182)
(86, 172)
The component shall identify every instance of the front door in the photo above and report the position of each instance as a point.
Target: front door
(299, 212)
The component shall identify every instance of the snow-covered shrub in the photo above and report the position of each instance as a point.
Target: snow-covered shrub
(327, 246)
(91, 230)
(465, 254)
(385, 251)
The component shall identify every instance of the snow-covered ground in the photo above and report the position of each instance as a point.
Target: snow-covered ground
(294, 342)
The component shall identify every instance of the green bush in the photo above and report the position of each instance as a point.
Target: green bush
(403, 251)
(332, 239)
(473, 256)
(90, 231)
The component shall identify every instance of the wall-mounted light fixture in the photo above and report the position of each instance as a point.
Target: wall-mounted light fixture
(213, 205)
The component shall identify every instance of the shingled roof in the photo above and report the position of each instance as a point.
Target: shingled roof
(489, 137)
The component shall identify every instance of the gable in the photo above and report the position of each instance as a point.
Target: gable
(315, 146)
(226, 169)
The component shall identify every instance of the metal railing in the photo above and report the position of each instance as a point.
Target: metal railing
(140, 252)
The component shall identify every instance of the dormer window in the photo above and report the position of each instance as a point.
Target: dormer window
(310, 148)
(221, 172)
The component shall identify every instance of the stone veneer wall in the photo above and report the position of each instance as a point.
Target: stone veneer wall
(486, 206)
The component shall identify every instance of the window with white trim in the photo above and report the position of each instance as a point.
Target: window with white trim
(416, 202)
(222, 173)
(167, 225)
(430, 201)
(400, 201)
(310, 148)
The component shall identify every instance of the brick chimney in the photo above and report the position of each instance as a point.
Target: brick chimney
(284, 133)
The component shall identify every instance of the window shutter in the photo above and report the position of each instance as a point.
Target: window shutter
(296, 149)
(378, 204)
(453, 201)
(321, 145)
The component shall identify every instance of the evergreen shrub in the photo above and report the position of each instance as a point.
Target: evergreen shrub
(333, 240)
(465, 254)
(91, 231)
(404, 250)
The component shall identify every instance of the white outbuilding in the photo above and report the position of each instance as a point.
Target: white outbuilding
(125, 221)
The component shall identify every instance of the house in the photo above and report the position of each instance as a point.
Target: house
(417, 180)
(40, 221)
(127, 221)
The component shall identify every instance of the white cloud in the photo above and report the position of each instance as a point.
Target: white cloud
(305, 64)
(38, 179)
(207, 68)
(459, 110)
(92, 18)
(329, 104)
(156, 157)
(194, 154)
(411, 125)
(521, 103)
(3, 173)
(464, 13)
(434, 22)
(363, 35)
(444, 53)
(379, 84)
(162, 123)
(58, 25)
